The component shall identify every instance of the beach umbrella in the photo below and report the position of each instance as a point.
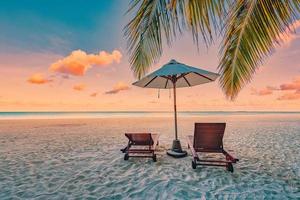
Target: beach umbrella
(176, 75)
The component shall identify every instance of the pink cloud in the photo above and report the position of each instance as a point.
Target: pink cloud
(78, 62)
(117, 88)
(294, 85)
(79, 87)
(290, 96)
(94, 94)
(65, 76)
(38, 78)
(263, 92)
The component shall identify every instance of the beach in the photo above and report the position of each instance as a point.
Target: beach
(80, 158)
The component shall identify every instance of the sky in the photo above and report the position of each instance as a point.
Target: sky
(71, 56)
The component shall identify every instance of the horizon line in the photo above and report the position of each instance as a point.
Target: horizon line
(155, 111)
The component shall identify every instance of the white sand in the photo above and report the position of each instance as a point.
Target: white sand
(81, 158)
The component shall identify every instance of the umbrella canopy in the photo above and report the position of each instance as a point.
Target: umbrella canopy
(175, 75)
(186, 76)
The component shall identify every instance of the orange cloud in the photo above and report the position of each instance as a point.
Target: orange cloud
(38, 79)
(117, 88)
(290, 96)
(294, 85)
(263, 92)
(65, 76)
(94, 94)
(78, 62)
(79, 87)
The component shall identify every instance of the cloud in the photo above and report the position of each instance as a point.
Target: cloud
(94, 94)
(263, 92)
(65, 76)
(117, 88)
(294, 85)
(79, 87)
(38, 78)
(290, 96)
(78, 62)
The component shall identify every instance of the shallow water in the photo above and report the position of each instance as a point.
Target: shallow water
(81, 158)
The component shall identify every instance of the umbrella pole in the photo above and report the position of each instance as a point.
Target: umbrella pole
(176, 150)
(175, 110)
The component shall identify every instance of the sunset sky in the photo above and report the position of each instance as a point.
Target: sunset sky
(71, 56)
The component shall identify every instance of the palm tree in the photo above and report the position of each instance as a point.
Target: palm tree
(250, 31)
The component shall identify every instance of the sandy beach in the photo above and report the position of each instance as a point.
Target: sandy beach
(76, 76)
(81, 158)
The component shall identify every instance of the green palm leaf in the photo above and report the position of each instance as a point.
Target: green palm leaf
(156, 20)
(252, 29)
(144, 33)
(201, 17)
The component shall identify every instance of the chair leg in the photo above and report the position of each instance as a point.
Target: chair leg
(126, 148)
(126, 151)
(126, 156)
(194, 163)
(229, 167)
(154, 157)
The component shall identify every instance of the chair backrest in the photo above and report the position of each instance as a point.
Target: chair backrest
(209, 136)
(140, 138)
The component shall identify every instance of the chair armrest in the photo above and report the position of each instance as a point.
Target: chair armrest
(232, 158)
(155, 138)
(191, 145)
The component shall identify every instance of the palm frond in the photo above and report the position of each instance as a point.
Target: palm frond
(201, 17)
(251, 31)
(144, 33)
(156, 21)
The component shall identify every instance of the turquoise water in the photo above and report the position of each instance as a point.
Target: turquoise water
(81, 159)
(61, 115)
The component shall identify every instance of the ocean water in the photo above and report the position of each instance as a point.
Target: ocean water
(80, 158)
(118, 114)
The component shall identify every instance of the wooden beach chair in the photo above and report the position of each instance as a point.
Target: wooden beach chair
(141, 145)
(208, 138)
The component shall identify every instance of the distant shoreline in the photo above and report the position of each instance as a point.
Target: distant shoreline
(239, 111)
(116, 114)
